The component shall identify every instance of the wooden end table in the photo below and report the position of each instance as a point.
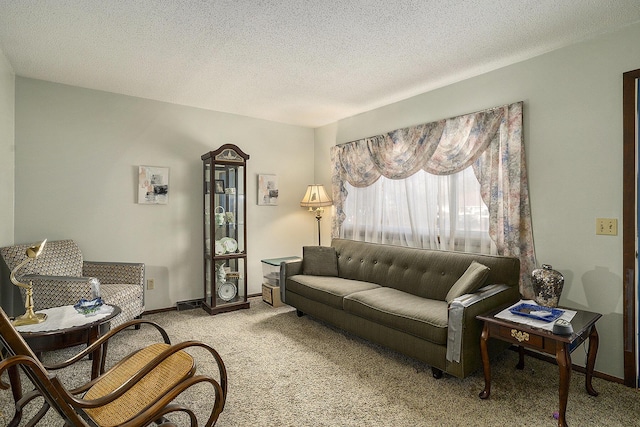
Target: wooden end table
(58, 338)
(584, 326)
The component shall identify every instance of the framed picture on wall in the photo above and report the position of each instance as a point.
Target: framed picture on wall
(218, 186)
(153, 185)
(267, 190)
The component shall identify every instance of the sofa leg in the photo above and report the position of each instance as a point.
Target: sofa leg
(299, 313)
(138, 325)
(437, 373)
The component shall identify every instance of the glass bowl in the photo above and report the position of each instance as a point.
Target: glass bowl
(88, 307)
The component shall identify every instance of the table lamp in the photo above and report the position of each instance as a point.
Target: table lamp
(29, 317)
(316, 199)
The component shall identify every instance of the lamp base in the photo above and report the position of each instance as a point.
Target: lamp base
(319, 212)
(29, 318)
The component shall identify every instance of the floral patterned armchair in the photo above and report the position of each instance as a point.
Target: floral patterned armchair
(61, 277)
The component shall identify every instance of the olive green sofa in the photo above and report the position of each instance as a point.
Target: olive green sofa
(414, 301)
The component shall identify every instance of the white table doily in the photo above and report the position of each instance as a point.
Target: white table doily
(64, 317)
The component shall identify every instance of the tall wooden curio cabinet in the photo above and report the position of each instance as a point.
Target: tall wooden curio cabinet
(225, 229)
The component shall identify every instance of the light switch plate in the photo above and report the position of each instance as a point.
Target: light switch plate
(607, 226)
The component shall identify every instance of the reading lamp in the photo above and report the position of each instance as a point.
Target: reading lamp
(316, 199)
(29, 317)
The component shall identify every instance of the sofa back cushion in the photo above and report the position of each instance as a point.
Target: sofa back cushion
(424, 272)
(319, 261)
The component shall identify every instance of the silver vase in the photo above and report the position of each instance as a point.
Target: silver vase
(547, 286)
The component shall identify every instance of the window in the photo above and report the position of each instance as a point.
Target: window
(382, 192)
(424, 211)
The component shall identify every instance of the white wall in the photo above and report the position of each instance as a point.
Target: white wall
(573, 136)
(76, 177)
(7, 144)
(325, 137)
(8, 295)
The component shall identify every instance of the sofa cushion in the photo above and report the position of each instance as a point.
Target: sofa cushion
(129, 298)
(470, 281)
(327, 290)
(319, 261)
(422, 317)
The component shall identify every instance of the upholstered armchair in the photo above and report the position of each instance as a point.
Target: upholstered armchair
(61, 277)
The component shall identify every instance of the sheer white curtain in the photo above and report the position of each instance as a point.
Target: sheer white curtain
(423, 211)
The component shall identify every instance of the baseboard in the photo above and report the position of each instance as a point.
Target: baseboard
(158, 310)
(187, 305)
(577, 368)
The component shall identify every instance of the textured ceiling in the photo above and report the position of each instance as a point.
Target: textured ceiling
(304, 62)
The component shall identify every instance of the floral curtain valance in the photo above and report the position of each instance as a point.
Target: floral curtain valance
(490, 141)
(434, 147)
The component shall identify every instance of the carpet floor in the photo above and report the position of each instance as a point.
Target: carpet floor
(290, 371)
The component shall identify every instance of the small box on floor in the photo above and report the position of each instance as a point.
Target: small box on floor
(271, 295)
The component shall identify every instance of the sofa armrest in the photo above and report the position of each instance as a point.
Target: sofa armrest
(288, 269)
(115, 272)
(463, 328)
(55, 291)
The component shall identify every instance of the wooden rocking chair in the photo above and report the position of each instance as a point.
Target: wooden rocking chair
(137, 391)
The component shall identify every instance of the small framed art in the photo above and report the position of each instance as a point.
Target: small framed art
(153, 185)
(267, 190)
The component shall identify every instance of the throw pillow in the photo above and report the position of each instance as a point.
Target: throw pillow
(319, 261)
(469, 282)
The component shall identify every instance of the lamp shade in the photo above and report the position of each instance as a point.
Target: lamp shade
(315, 197)
(36, 250)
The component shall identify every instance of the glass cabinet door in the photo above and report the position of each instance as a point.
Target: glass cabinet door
(225, 286)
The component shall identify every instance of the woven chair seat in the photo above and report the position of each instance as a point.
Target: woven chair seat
(155, 384)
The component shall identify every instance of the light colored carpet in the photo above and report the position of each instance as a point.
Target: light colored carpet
(290, 371)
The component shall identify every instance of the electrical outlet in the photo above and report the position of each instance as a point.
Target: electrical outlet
(607, 226)
(151, 284)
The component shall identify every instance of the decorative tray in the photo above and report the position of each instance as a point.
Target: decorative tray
(538, 312)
